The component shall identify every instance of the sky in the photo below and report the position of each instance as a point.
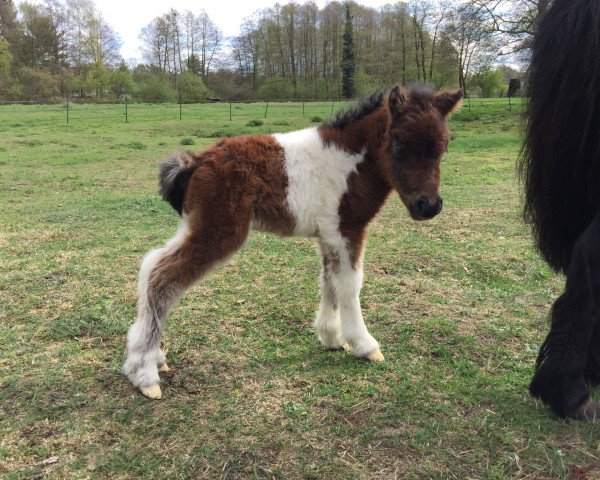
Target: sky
(128, 17)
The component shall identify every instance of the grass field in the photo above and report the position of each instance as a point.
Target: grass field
(458, 304)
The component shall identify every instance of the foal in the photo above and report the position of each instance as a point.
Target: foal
(326, 182)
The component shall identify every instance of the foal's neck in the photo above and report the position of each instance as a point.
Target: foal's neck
(365, 135)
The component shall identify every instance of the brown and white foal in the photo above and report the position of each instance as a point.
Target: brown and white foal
(326, 182)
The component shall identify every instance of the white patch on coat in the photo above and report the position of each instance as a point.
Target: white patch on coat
(317, 180)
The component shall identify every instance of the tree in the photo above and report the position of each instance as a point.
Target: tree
(210, 37)
(472, 38)
(348, 64)
(490, 81)
(6, 60)
(516, 21)
(121, 81)
(40, 40)
(9, 28)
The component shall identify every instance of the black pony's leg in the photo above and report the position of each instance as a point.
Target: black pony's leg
(559, 379)
(592, 368)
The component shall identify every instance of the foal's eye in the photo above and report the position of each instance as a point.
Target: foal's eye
(398, 148)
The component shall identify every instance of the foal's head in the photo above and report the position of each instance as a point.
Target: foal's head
(417, 138)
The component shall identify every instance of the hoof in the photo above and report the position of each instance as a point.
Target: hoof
(346, 347)
(590, 411)
(152, 392)
(375, 356)
(164, 368)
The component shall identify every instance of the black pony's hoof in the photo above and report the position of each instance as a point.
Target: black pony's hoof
(588, 411)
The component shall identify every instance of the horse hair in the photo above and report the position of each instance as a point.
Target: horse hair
(360, 110)
(559, 164)
(420, 94)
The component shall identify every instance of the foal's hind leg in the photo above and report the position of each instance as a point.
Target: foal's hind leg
(164, 276)
(328, 323)
(559, 379)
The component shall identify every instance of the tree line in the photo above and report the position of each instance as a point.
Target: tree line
(292, 51)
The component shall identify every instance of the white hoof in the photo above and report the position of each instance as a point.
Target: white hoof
(375, 356)
(154, 392)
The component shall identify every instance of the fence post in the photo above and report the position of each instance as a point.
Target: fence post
(126, 111)
(332, 104)
(230, 109)
(267, 108)
(180, 102)
(509, 105)
(303, 116)
(67, 109)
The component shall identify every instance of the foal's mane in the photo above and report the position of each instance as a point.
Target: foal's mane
(364, 107)
(419, 93)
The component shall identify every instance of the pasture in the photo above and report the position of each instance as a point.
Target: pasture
(458, 304)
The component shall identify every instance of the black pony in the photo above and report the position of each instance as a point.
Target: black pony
(560, 169)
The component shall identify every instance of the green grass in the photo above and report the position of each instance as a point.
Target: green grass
(458, 304)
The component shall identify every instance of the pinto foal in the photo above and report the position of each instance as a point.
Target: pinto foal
(326, 182)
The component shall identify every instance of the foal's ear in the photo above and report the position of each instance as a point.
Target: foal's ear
(448, 102)
(396, 102)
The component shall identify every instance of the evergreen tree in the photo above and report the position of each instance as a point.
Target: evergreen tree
(348, 63)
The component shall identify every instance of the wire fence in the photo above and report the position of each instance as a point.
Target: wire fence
(70, 112)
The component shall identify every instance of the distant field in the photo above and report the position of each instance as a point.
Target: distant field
(458, 304)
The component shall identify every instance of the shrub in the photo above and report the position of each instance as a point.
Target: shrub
(315, 118)
(254, 123)
(192, 88)
(187, 141)
(157, 90)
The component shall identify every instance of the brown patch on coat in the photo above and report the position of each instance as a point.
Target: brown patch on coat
(236, 182)
(331, 258)
(368, 187)
(247, 174)
(331, 266)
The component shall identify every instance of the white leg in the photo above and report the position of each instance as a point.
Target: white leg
(327, 323)
(345, 267)
(347, 283)
(143, 339)
(144, 356)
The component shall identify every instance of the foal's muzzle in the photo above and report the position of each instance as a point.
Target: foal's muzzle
(424, 208)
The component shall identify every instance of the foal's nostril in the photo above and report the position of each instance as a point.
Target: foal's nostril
(422, 204)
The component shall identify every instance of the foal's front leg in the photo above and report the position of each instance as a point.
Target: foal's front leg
(328, 323)
(346, 278)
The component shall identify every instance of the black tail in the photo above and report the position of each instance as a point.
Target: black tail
(173, 177)
(560, 161)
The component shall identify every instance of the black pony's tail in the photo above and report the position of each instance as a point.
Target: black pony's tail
(560, 161)
(173, 177)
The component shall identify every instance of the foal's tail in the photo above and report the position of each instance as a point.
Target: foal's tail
(560, 160)
(173, 177)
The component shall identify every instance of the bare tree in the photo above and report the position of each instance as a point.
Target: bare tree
(210, 39)
(515, 20)
(472, 38)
